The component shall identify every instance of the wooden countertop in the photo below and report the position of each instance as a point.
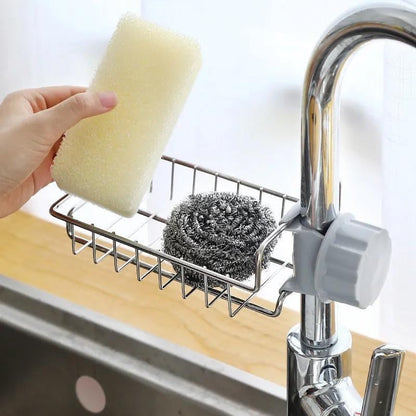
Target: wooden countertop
(39, 254)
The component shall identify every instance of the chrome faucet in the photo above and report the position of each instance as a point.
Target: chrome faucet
(319, 353)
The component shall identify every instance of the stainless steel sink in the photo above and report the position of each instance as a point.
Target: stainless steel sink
(49, 347)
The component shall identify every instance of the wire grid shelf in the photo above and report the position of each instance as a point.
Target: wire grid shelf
(137, 242)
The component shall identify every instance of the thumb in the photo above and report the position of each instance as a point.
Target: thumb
(50, 124)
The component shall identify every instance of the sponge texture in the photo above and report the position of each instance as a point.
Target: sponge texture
(110, 159)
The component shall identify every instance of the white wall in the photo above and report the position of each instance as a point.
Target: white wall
(399, 185)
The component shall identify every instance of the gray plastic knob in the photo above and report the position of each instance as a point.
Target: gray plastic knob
(352, 262)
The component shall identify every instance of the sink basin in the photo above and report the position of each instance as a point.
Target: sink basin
(58, 358)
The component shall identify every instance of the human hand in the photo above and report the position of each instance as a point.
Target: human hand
(32, 123)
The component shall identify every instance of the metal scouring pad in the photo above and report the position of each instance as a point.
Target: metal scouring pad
(220, 231)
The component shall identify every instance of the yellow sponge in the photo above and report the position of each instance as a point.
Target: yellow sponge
(110, 159)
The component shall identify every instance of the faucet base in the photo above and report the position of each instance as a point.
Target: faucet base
(319, 380)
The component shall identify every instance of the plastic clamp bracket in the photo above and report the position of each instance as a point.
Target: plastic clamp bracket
(348, 264)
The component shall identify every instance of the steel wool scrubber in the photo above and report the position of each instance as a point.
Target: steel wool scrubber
(220, 231)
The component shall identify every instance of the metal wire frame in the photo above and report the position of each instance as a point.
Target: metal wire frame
(149, 260)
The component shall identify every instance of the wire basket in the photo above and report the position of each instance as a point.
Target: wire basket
(137, 242)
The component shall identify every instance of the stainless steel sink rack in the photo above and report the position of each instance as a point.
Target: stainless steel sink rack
(137, 241)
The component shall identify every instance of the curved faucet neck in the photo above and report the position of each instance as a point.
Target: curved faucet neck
(318, 380)
(320, 183)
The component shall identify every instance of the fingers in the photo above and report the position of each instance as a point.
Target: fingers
(38, 99)
(50, 124)
(47, 97)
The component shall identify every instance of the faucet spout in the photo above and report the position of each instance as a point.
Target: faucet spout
(320, 184)
(319, 354)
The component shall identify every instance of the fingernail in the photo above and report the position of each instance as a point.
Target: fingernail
(107, 99)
